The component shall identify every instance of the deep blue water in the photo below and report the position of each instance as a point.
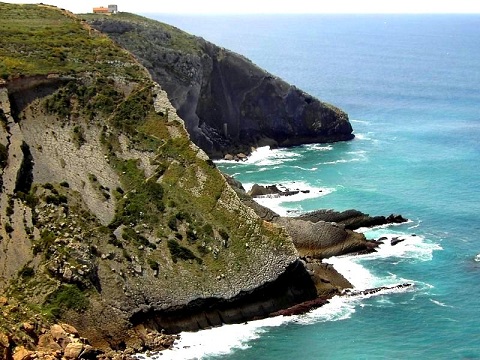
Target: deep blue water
(411, 87)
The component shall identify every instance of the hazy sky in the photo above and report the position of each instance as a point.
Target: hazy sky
(271, 6)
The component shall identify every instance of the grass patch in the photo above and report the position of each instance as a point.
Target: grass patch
(179, 252)
(66, 297)
(40, 40)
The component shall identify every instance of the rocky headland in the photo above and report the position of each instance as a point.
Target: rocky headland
(229, 104)
(115, 228)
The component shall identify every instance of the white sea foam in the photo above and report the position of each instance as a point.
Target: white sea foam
(360, 122)
(305, 169)
(264, 156)
(319, 147)
(340, 161)
(413, 247)
(277, 203)
(439, 303)
(217, 341)
(361, 136)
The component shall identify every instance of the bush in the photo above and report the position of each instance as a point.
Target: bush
(178, 251)
(153, 264)
(30, 199)
(8, 227)
(191, 235)
(26, 272)
(3, 156)
(223, 234)
(129, 234)
(208, 230)
(66, 297)
(172, 223)
(56, 199)
(48, 186)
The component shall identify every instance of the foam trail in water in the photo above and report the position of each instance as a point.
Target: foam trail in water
(340, 161)
(318, 147)
(360, 121)
(440, 303)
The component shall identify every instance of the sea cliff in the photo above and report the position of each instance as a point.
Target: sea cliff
(228, 103)
(112, 220)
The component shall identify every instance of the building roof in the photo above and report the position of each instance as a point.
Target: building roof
(100, 9)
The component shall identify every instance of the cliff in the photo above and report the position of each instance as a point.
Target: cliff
(228, 103)
(111, 218)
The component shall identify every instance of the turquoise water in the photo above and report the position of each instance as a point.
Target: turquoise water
(411, 86)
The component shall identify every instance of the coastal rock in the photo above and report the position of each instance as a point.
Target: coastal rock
(21, 353)
(46, 342)
(352, 219)
(349, 292)
(301, 308)
(261, 190)
(394, 241)
(73, 350)
(5, 346)
(118, 220)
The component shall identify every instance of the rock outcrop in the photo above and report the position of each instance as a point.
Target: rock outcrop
(319, 234)
(351, 219)
(228, 103)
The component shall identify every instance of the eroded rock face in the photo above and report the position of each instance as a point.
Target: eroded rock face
(228, 103)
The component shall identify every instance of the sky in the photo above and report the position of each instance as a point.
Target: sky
(270, 6)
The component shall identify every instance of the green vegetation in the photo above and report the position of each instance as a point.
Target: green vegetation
(177, 39)
(130, 235)
(78, 136)
(56, 199)
(90, 97)
(47, 239)
(66, 297)
(8, 227)
(133, 111)
(26, 272)
(40, 40)
(178, 251)
(153, 264)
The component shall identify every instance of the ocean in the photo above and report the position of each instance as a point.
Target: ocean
(411, 87)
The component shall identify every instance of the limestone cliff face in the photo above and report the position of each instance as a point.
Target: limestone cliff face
(110, 216)
(228, 103)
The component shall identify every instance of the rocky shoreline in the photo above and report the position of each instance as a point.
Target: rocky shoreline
(331, 234)
(36, 340)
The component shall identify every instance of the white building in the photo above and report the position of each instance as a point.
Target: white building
(112, 9)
